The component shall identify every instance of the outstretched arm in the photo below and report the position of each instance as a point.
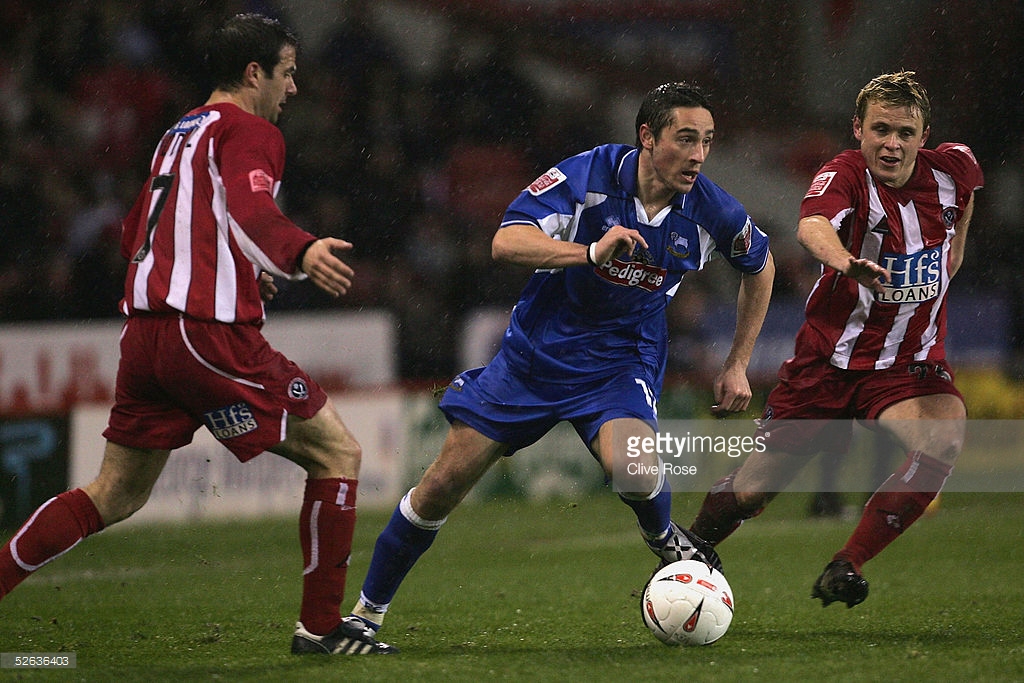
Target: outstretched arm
(818, 237)
(731, 387)
(326, 270)
(527, 245)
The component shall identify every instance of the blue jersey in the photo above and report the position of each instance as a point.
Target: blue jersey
(581, 323)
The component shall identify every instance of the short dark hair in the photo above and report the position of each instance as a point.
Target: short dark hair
(245, 38)
(656, 109)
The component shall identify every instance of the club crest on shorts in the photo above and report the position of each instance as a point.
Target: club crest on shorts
(298, 389)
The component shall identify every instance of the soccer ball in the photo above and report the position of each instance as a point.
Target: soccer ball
(687, 603)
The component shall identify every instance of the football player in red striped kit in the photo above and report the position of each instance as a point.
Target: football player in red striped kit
(888, 223)
(203, 241)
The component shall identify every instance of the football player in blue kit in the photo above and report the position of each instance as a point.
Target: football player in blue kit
(610, 232)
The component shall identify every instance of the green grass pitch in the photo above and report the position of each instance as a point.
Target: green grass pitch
(537, 591)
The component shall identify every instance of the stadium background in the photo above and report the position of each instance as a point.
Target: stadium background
(415, 124)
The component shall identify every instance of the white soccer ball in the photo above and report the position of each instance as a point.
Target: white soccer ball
(687, 603)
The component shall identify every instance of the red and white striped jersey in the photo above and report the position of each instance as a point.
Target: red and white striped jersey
(205, 223)
(906, 230)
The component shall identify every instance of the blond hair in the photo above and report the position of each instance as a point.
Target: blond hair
(898, 89)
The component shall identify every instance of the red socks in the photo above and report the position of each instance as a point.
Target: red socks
(721, 514)
(326, 524)
(895, 506)
(52, 530)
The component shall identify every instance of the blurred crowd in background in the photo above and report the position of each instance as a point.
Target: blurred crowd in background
(413, 156)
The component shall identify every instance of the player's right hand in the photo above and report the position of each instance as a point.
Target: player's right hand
(326, 270)
(618, 241)
(867, 273)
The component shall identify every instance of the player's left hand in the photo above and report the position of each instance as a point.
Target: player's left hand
(732, 392)
(326, 270)
(267, 287)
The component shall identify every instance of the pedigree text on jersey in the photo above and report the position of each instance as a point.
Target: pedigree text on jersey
(915, 277)
(632, 274)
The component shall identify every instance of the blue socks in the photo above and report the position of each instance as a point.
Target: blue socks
(405, 538)
(653, 513)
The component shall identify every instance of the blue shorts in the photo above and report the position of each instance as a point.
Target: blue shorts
(518, 411)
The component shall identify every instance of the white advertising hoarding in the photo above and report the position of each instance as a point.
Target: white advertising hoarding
(204, 481)
(49, 367)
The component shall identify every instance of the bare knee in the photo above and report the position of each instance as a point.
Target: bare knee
(435, 497)
(125, 481)
(322, 445)
(465, 457)
(340, 456)
(115, 502)
(640, 483)
(934, 425)
(945, 447)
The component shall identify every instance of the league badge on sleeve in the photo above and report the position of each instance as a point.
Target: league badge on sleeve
(741, 242)
(820, 184)
(546, 181)
(260, 181)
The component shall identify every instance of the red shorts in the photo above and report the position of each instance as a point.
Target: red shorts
(177, 374)
(813, 406)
